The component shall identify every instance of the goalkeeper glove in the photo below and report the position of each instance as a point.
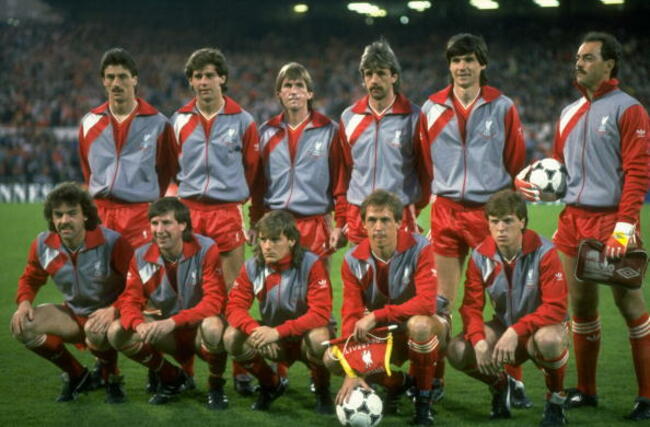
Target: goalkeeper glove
(618, 242)
(528, 191)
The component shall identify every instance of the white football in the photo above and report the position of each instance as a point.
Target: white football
(550, 176)
(363, 409)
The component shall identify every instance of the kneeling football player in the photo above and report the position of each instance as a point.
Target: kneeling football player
(179, 275)
(88, 264)
(522, 274)
(390, 278)
(294, 294)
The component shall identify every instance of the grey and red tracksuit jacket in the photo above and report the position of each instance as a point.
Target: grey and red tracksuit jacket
(604, 145)
(310, 184)
(487, 160)
(91, 279)
(384, 152)
(412, 283)
(294, 300)
(218, 159)
(532, 296)
(200, 290)
(135, 168)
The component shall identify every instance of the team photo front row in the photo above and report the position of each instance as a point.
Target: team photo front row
(167, 302)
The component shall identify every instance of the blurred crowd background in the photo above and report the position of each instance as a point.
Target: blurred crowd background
(49, 74)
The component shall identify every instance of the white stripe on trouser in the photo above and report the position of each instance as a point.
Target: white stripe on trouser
(554, 364)
(585, 328)
(35, 342)
(427, 347)
(640, 331)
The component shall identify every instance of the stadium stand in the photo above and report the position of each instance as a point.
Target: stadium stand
(50, 76)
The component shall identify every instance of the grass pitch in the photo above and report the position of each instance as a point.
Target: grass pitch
(29, 384)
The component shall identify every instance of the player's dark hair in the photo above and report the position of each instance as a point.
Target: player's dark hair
(378, 55)
(507, 202)
(275, 224)
(381, 199)
(71, 194)
(208, 56)
(181, 213)
(610, 48)
(294, 71)
(118, 56)
(465, 43)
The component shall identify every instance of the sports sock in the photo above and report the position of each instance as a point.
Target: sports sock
(640, 342)
(51, 347)
(554, 372)
(261, 370)
(515, 371)
(238, 369)
(423, 357)
(216, 366)
(498, 382)
(107, 361)
(586, 344)
(439, 370)
(320, 375)
(147, 355)
(282, 369)
(188, 365)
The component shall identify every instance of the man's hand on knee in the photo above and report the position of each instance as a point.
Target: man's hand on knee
(100, 320)
(153, 332)
(23, 314)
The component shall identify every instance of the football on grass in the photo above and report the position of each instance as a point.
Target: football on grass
(363, 409)
(550, 176)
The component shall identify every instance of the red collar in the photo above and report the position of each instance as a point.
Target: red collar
(316, 120)
(404, 241)
(92, 239)
(488, 93)
(189, 249)
(143, 108)
(229, 107)
(401, 106)
(530, 242)
(282, 265)
(605, 87)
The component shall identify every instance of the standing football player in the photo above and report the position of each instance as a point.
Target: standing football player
(88, 264)
(390, 277)
(380, 140)
(302, 163)
(127, 151)
(602, 139)
(522, 274)
(473, 146)
(294, 295)
(178, 278)
(218, 159)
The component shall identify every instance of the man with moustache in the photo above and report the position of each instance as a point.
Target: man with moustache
(380, 140)
(88, 264)
(602, 139)
(127, 150)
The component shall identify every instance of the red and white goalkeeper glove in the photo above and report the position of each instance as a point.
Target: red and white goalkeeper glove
(528, 191)
(618, 242)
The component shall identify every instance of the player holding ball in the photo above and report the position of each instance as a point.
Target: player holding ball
(602, 139)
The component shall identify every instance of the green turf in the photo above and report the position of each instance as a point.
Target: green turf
(28, 384)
